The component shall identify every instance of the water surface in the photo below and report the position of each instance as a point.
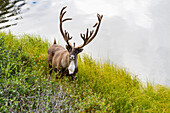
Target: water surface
(134, 33)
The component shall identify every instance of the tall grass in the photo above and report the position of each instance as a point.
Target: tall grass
(26, 85)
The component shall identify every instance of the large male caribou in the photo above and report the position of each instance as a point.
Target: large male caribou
(64, 60)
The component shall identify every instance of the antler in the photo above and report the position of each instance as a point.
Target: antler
(88, 38)
(65, 34)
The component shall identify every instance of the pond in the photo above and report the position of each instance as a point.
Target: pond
(133, 34)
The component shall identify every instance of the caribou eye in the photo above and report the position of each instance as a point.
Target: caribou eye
(77, 51)
(72, 57)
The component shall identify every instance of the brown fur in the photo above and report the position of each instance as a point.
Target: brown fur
(56, 54)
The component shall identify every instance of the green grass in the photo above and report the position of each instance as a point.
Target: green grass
(25, 85)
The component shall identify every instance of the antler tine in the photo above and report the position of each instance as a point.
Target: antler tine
(91, 32)
(95, 24)
(89, 38)
(65, 34)
(82, 36)
(68, 36)
(62, 14)
(86, 37)
(62, 10)
(87, 33)
(66, 19)
(97, 28)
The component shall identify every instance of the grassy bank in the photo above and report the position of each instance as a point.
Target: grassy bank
(25, 84)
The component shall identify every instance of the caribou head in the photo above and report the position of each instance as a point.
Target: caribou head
(65, 60)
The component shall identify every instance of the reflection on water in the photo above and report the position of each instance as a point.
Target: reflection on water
(10, 12)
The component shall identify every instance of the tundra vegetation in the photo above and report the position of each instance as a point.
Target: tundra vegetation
(25, 85)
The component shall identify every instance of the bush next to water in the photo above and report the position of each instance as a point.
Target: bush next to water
(25, 85)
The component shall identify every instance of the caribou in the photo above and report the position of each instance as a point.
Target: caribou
(64, 61)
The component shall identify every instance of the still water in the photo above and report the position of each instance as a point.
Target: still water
(134, 34)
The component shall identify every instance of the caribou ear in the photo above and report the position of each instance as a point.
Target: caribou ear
(69, 48)
(80, 50)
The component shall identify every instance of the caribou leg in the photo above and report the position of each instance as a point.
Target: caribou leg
(50, 69)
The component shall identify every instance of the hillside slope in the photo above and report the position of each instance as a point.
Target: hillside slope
(100, 87)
